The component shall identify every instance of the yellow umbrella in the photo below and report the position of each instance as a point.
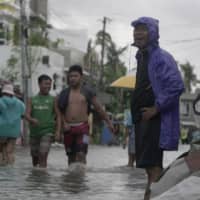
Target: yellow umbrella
(127, 81)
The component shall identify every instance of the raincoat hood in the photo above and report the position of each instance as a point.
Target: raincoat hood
(153, 29)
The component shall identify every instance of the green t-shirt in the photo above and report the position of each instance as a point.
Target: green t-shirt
(42, 109)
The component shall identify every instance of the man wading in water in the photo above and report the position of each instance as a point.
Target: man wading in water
(155, 101)
(74, 103)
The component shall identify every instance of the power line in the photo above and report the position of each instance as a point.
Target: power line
(183, 41)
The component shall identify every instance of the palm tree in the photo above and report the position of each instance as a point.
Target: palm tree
(91, 58)
(114, 67)
(107, 38)
(113, 56)
(91, 62)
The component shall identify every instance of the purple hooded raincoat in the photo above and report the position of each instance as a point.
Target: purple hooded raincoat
(167, 85)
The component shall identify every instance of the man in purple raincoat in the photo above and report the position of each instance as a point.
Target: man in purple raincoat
(155, 100)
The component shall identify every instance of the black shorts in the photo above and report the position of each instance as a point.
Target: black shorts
(147, 135)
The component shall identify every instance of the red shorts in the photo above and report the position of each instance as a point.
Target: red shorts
(77, 139)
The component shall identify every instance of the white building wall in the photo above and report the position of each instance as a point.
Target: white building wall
(39, 8)
(72, 56)
(55, 66)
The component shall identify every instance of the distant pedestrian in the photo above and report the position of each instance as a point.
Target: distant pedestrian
(130, 135)
(184, 135)
(11, 112)
(155, 103)
(43, 115)
(75, 104)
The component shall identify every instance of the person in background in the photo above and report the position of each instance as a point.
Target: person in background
(184, 135)
(130, 135)
(155, 100)
(45, 123)
(11, 112)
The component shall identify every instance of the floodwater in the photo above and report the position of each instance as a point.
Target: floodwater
(106, 177)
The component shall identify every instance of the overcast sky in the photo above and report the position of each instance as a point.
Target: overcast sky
(179, 23)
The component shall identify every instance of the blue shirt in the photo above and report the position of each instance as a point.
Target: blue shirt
(11, 110)
(127, 118)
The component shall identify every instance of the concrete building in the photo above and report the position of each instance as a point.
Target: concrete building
(72, 56)
(52, 64)
(187, 115)
(9, 12)
(72, 38)
(39, 8)
(43, 61)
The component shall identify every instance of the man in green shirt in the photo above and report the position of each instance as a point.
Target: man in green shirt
(43, 115)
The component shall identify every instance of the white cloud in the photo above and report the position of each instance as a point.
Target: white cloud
(179, 21)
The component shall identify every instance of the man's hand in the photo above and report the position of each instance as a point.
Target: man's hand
(66, 127)
(34, 122)
(111, 127)
(57, 136)
(148, 112)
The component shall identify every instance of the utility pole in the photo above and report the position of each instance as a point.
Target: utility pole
(24, 66)
(100, 83)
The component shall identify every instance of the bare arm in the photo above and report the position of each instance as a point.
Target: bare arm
(58, 119)
(98, 107)
(28, 116)
(65, 125)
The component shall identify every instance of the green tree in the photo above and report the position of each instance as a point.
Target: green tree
(13, 66)
(16, 33)
(107, 39)
(114, 67)
(11, 72)
(91, 58)
(190, 77)
(38, 35)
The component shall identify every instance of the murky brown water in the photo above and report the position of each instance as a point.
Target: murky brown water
(105, 178)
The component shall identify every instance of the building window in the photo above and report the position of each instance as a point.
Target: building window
(45, 60)
(184, 108)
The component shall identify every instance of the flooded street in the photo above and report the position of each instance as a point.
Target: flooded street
(106, 177)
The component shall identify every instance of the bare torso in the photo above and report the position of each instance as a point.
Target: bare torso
(77, 108)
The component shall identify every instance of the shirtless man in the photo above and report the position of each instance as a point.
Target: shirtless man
(74, 104)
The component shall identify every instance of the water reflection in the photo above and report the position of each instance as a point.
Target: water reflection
(39, 182)
(102, 179)
(74, 183)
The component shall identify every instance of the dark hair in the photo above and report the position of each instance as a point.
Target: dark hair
(76, 68)
(44, 77)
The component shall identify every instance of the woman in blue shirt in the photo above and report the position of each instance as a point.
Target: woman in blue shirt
(11, 111)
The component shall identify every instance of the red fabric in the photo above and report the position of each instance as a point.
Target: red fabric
(76, 133)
